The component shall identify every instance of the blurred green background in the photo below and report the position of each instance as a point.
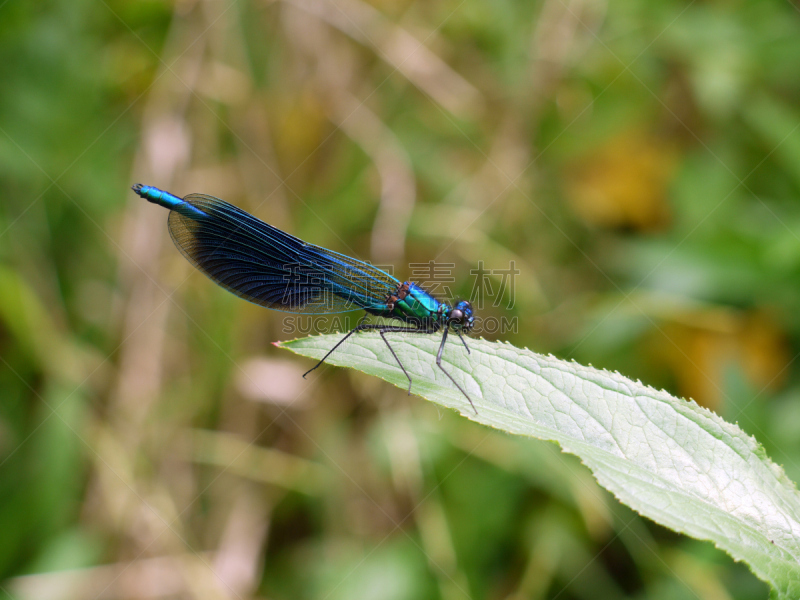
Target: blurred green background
(637, 160)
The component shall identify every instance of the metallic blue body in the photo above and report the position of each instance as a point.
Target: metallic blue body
(417, 304)
(167, 200)
(269, 267)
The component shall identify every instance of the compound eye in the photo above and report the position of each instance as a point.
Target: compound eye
(456, 315)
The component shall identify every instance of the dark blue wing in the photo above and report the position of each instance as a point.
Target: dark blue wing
(269, 267)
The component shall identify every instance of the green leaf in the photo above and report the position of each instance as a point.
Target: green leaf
(671, 460)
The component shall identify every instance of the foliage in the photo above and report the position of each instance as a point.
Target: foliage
(669, 459)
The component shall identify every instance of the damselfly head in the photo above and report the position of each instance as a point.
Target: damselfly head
(461, 316)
